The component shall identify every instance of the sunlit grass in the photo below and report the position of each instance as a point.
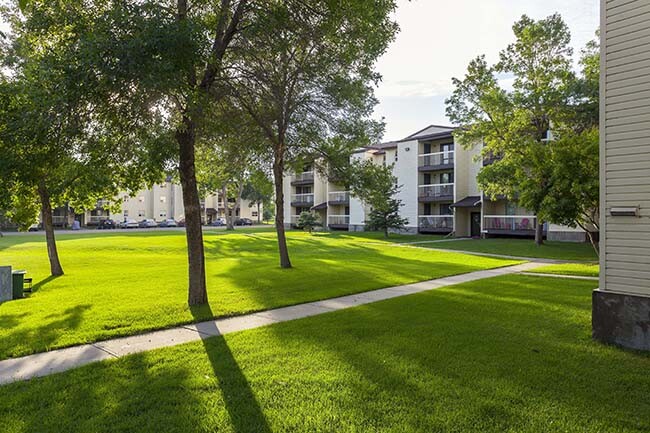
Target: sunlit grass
(124, 283)
(578, 269)
(508, 354)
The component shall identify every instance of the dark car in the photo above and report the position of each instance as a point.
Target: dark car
(168, 223)
(106, 225)
(35, 227)
(243, 222)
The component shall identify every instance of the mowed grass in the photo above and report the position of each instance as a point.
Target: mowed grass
(578, 269)
(119, 284)
(570, 251)
(505, 354)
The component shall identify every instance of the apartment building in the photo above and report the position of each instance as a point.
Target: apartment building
(440, 193)
(621, 306)
(160, 202)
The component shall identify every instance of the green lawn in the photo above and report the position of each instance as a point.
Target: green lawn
(507, 354)
(579, 269)
(571, 251)
(124, 283)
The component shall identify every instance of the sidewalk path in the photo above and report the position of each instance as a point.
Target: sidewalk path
(46, 363)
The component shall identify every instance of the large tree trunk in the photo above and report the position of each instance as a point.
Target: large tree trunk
(197, 292)
(539, 233)
(46, 211)
(278, 173)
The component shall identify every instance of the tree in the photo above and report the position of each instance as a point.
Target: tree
(514, 125)
(304, 77)
(376, 187)
(258, 191)
(307, 221)
(52, 145)
(143, 60)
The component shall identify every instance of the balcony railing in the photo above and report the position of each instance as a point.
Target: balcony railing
(303, 177)
(436, 191)
(306, 199)
(338, 220)
(514, 223)
(95, 219)
(435, 159)
(339, 196)
(438, 222)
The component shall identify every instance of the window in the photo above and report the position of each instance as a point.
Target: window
(254, 214)
(125, 198)
(395, 155)
(511, 208)
(126, 213)
(163, 199)
(427, 179)
(445, 209)
(426, 148)
(427, 209)
(163, 185)
(384, 158)
(446, 178)
(163, 214)
(141, 199)
(141, 213)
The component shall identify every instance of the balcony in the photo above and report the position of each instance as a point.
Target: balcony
(436, 161)
(305, 178)
(442, 224)
(339, 198)
(512, 225)
(436, 193)
(338, 221)
(302, 200)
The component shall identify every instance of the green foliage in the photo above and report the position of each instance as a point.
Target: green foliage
(259, 189)
(308, 221)
(385, 217)
(529, 166)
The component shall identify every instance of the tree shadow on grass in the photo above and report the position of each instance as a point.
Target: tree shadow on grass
(243, 408)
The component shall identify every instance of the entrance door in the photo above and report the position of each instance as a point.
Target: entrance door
(476, 224)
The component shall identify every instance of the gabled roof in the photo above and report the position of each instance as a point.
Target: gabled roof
(431, 129)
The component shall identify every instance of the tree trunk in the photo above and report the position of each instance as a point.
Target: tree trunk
(46, 211)
(258, 212)
(197, 291)
(594, 243)
(278, 173)
(226, 205)
(539, 233)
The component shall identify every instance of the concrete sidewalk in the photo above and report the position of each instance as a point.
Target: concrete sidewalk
(46, 363)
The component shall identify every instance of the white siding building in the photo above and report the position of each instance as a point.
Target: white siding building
(621, 307)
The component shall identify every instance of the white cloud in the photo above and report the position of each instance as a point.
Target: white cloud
(440, 37)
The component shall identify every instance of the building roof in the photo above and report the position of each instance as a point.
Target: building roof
(471, 201)
(431, 129)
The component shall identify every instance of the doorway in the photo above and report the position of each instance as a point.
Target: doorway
(476, 224)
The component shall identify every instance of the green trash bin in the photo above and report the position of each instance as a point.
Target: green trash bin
(17, 283)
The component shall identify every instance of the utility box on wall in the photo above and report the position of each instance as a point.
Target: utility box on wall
(5, 284)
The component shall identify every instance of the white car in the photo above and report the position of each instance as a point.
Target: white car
(129, 224)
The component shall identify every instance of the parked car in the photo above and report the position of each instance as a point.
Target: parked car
(168, 223)
(34, 228)
(147, 224)
(218, 222)
(106, 225)
(129, 224)
(181, 222)
(243, 222)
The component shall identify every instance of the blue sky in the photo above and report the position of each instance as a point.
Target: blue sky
(437, 40)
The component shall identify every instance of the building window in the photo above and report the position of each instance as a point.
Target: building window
(141, 213)
(426, 148)
(445, 209)
(126, 213)
(141, 199)
(163, 214)
(125, 198)
(446, 178)
(395, 155)
(427, 209)
(163, 199)
(254, 214)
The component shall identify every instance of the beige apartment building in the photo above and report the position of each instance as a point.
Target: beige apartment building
(160, 202)
(440, 193)
(621, 306)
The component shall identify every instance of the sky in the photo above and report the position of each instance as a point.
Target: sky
(437, 40)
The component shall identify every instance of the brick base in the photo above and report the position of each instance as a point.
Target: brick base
(621, 319)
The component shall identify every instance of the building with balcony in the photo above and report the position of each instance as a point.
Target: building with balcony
(439, 192)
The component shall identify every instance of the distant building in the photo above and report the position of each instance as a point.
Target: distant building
(440, 193)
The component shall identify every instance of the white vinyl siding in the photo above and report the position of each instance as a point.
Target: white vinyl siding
(625, 155)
